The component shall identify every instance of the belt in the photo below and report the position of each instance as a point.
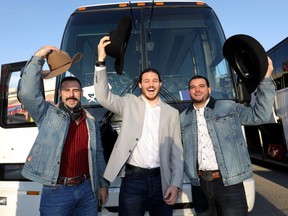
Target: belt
(209, 175)
(73, 180)
(150, 172)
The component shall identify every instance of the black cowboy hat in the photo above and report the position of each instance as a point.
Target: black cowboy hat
(248, 58)
(119, 40)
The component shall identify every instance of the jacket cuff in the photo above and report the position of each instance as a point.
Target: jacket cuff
(104, 183)
(36, 60)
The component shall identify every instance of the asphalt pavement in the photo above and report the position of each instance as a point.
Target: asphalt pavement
(271, 197)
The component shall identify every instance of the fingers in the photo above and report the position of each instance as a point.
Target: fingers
(270, 68)
(105, 39)
(171, 195)
(103, 195)
(170, 199)
(45, 50)
(104, 42)
(103, 199)
(101, 48)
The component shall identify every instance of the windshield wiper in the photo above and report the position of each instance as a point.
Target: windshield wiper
(150, 20)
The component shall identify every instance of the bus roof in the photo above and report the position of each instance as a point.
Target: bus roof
(281, 43)
(142, 1)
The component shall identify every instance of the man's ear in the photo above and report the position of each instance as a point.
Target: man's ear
(139, 85)
(209, 89)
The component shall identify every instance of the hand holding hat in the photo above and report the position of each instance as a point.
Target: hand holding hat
(270, 68)
(58, 61)
(44, 51)
(105, 41)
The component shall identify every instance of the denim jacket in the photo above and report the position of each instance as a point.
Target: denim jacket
(43, 162)
(224, 119)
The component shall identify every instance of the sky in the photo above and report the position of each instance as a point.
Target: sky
(25, 26)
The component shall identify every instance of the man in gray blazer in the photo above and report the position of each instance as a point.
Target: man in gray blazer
(148, 153)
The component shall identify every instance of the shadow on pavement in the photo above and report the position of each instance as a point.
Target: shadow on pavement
(263, 207)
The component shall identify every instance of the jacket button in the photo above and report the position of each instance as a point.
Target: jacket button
(130, 151)
(137, 139)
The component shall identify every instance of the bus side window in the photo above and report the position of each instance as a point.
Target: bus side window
(16, 113)
(12, 112)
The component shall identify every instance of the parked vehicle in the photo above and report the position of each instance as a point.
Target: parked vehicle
(178, 38)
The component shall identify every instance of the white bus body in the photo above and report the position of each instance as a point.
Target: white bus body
(179, 38)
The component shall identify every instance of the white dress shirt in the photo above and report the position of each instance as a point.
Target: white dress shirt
(146, 153)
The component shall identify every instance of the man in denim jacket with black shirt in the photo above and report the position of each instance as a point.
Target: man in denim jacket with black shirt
(215, 151)
(67, 155)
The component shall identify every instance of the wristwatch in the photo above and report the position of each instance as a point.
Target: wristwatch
(100, 63)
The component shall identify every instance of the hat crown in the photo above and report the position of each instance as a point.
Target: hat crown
(58, 59)
(59, 62)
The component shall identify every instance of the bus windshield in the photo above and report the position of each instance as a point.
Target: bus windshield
(179, 42)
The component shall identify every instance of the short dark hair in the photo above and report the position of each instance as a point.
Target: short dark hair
(70, 78)
(199, 77)
(149, 70)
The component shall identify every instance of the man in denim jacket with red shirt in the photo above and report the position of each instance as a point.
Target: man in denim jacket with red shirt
(67, 155)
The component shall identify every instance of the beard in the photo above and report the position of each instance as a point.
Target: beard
(74, 113)
(151, 97)
(200, 100)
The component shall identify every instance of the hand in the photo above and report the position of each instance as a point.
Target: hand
(101, 48)
(103, 195)
(269, 69)
(171, 195)
(45, 50)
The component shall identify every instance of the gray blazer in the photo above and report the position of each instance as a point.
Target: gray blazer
(132, 109)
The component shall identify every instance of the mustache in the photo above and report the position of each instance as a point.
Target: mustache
(71, 98)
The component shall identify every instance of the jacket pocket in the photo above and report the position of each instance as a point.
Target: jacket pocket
(55, 119)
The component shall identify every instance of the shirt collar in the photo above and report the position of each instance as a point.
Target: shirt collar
(147, 103)
(203, 106)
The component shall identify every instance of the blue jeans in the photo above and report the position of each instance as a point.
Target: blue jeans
(69, 200)
(140, 192)
(213, 198)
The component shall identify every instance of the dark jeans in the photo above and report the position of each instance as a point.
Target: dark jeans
(213, 198)
(140, 192)
(69, 200)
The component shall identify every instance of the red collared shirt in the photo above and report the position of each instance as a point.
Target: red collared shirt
(74, 161)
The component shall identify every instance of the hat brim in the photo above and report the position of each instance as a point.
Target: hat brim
(119, 62)
(47, 74)
(248, 59)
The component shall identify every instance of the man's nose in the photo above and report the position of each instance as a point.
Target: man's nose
(71, 93)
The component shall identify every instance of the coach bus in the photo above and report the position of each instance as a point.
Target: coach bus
(178, 38)
(268, 143)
